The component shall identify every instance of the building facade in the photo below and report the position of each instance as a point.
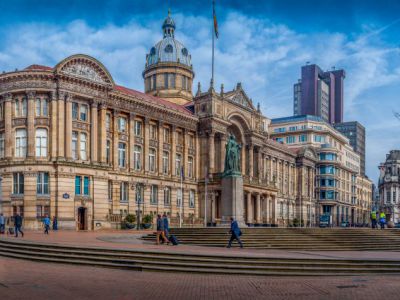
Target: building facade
(340, 190)
(389, 186)
(355, 132)
(319, 93)
(75, 145)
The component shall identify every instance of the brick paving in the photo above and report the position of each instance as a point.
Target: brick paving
(20, 279)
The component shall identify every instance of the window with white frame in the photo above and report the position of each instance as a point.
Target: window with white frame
(110, 191)
(178, 164)
(166, 135)
(191, 141)
(45, 107)
(153, 132)
(18, 183)
(122, 155)
(2, 145)
(154, 194)
(108, 122)
(17, 110)
(82, 185)
(167, 196)
(152, 160)
(41, 107)
(165, 162)
(108, 151)
(190, 167)
(83, 146)
(20, 143)
(124, 188)
(83, 112)
(191, 198)
(74, 145)
(38, 107)
(137, 157)
(75, 109)
(138, 128)
(42, 185)
(23, 107)
(122, 124)
(41, 142)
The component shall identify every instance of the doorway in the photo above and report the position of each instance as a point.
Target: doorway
(81, 218)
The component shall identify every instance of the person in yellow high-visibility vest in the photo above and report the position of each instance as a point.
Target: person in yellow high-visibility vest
(373, 219)
(382, 220)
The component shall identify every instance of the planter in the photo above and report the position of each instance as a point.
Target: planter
(130, 225)
(146, 225)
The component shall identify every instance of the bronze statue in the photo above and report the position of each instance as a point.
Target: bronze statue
(232, 157)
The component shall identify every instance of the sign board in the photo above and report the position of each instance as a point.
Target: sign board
(324, 220)
(66, 196)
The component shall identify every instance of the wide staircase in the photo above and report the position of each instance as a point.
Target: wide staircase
(178, 261)
(293, 238)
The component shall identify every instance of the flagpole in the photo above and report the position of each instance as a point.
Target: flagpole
(181, 202)
(212, 56)
(205, 196)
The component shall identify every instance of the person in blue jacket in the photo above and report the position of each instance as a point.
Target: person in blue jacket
(46, 222)
(235, 234)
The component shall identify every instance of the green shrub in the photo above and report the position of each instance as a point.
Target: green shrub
(148, 219)
(130, 218)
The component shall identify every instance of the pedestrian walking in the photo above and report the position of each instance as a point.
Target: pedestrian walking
(160, 230)
(235, 233)
(46, 222)
(373, 219)
(18, 225)
(382, 220)
(55, 223)
(166, 225)
(2, 224)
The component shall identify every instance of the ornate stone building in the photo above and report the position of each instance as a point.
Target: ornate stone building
(76, 145)
(389, 186)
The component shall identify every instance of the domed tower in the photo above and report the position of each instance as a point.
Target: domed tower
(168, 73)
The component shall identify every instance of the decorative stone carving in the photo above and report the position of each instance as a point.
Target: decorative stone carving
(166, 147)
(123, 137)
(153, 143)
(138, 140)
(80, 125)
(19, 122)
(31, 95)
(83, 71)
(179, 148)
(42, 121)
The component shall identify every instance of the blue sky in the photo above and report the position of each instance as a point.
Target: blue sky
(262, 44)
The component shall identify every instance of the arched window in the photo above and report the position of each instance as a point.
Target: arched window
(41, 142)
(20, 143)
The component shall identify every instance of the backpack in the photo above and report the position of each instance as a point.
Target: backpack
(173, 240)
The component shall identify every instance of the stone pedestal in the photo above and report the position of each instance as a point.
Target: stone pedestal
(232, 200)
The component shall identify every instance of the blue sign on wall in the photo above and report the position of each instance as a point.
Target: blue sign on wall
(66, 196)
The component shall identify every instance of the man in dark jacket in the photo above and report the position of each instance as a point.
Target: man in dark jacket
(160, 230)
(235, 233)
(166, 225)
(18, 225)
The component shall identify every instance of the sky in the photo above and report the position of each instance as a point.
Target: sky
(261, 44)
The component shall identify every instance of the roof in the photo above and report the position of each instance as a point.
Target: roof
(393, 155)
(297, 119)
(153, 99)
(38, 67)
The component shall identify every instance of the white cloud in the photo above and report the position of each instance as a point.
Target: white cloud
(266, 57)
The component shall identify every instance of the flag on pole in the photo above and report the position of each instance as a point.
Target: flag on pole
(215, 21)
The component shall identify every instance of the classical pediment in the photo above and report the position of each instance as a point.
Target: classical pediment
(85, 67)
(238, 96)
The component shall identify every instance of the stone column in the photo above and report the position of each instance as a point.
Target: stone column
(61, 125)
(223, 152)
(249, 208)
(173, 150)
(93, 132)
(68, 127)
(7, 126)
(31, 123)
(274, 208)
(115, 140)
(102, 134)
(146, 141)
(185, 152)
(251, 160)
(53, 125)
(258, 208)
(243, 160)
(160, 147)
(211, 153)
(213, 207)
(30, 220)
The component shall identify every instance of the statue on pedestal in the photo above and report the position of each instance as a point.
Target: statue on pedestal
(232, 158)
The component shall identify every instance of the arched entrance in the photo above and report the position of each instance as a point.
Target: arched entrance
(82, 218)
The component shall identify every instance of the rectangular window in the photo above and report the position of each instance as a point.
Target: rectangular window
(108, 151)
(78, 188)
(45, 106)
(121, 155)
(17, 108)
(74, 145)
(180, 138)
(179, 198)
(121, 124)
(138, 128)
(110, 191)
(166, 80)
(178, 164)
(42, 187)
(303, 138)
(75, 108)
(165, 162)
(191, 141)
(191, 198)
(18, 183)
(154, 194)
(108, 122)
(166, 135)
(41, 142)
(167, 196)
(39, 211)
(190, 167)
(137, 158)
(153, 132)
(83, 147)
(2, 144)
(124, 188)
(86, 184)
(37, 106)
(20, 143)
(82, 185)
(290, 139)
(24, 107)
(152, 160)
(154, 81)
(83, 112)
